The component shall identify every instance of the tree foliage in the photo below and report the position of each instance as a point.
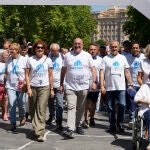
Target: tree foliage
(137, 27)
(50, 23)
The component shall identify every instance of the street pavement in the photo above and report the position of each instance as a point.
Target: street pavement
(95, 138)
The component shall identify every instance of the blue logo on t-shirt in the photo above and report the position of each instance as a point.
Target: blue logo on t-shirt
(116, 64)
(77, 65)
(15, 69)
(3, 70)
(40, 70)
(56, 66)
(136, 64)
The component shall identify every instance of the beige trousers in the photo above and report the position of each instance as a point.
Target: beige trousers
(38, 106)
(76, 104)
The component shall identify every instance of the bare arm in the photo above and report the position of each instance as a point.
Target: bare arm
(50, 71)
(93, 70)
(128, 76)
(139, 78)
(62, 76)
(27, 79)
(142, 101)
(102, 81)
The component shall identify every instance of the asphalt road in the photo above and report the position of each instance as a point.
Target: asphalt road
(95, 138)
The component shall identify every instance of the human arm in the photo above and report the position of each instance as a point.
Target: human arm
(102, 81)
(50, 71)
(128, 77)
(27, 79)
(93, 71)
(139, 78)
(62, 76)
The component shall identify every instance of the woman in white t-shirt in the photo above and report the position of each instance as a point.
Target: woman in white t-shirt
(144, 70)
(39, 81)
(15, 76)
(3, 95)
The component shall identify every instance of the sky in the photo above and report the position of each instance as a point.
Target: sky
(101, 7)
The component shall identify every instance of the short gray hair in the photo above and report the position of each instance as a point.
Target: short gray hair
(55, 44)
(2, 51)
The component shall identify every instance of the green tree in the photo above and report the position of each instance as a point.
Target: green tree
(137, 27)
(50, 23)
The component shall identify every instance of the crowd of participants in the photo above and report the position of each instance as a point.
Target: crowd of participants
(34, 77)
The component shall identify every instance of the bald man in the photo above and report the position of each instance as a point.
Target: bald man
(78, 65)
(114, 69)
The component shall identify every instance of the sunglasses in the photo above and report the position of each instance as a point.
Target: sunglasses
(40, 47)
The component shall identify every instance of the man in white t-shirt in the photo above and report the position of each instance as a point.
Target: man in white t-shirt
(57, 62)
(114, 69)
(78, 65)
(134, 60)
(92, 97)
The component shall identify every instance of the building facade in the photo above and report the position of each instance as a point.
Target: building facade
(110, 24)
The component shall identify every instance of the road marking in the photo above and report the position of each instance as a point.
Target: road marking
(99, 136)
(22, 147)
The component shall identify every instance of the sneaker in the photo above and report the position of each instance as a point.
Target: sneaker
(59, 127)
(12, 129)
(92, 122)
(85, 124)
(50, 120)
(120, 128)
(41, 138)
(68, 133)
(5, 117)
(130, 124)
(112, 129)
(22, 121)
(80, 131)
(27, 115)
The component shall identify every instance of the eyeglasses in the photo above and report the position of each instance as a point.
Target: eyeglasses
(40, 47)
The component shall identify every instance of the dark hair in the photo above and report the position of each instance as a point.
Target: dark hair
(127, 43)
(104, 47)
(39, 42)
(23, 46)
(136, 42)
(94, 44)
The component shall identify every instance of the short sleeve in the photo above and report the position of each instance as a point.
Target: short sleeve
(49, 61)
(102, 66)
(126, 64)
(91, 63)
(28, 64)
(140, 67)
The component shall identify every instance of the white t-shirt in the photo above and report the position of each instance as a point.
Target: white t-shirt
(143, 93)
(57, 63)
(145, 68)
(97, 63)
(134, 63)
(2, 72)
(78, 70)
(114, 67)
(39, 75)
(15, 71)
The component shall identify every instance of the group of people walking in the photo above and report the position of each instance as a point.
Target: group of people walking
(80, 77)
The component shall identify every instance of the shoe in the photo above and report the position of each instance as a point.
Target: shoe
(92, 122)
(59, 127)
(80, 131)
(41, 138)
(130, 125)
(22, 121)
(85, 124)
(120, 128)
(27, 115)
(50, 120)
(12, 129)
(68, 133)
(112, 129)
(5, 117)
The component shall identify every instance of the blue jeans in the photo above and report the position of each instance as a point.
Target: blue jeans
(131, 105)
(15, 97)
(147, 121)
(111, 96)
(58, 108)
